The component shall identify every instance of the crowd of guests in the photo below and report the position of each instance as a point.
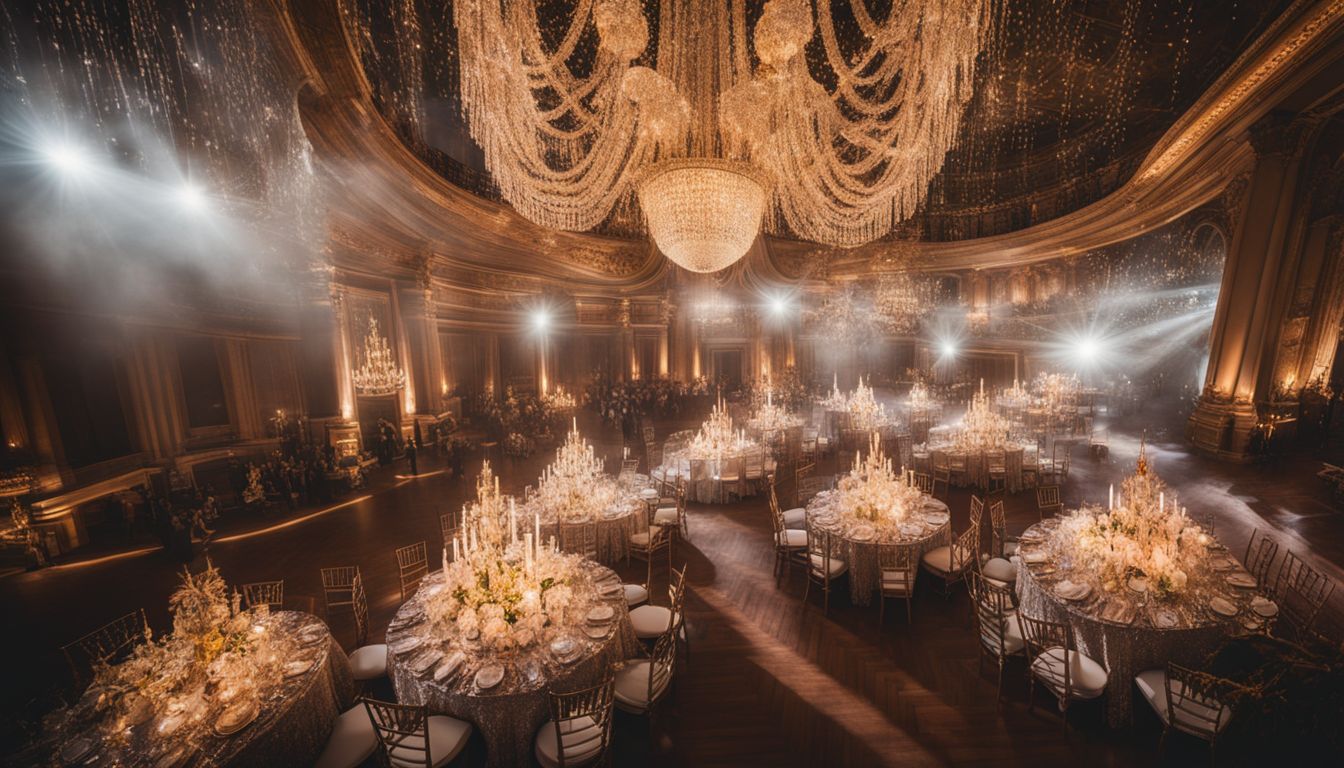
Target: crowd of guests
(626, 402)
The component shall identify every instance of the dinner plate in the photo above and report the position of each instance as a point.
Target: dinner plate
(311, 634)
(1119, 612)
(426, 660)
(1165, 618)
(1264, 606)
(597, 631)
(563, 647)
(607, 590)
(76, 749)
(935, 518)
(911, 529)
(1138, 584)
(1223, 607)
(168, 725)
(237, 717)
(489, 676)
(434, 588)
(296, 668)
(449, 666)
(1072, 591)
(405, 644)
(861, 532)
(1034, 557)
(601, 613)
(1241, 579)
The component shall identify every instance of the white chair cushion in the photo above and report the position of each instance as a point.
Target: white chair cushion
(792, 537)
(641, 538)
(369, 662)
(447, 737)
(1012, 636)
(651, 621)
(940, 559)
(795, 518)
(1087, 678)
(818, 563)
(999, 572)
(666, 516)
(632, 685)
(1009, 548)
(635, 594)
(1153, 685)
(582, 738)
(351, 742)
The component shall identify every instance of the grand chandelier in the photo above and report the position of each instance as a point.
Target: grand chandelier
(709, 133)
(904, 300)
(380, 374)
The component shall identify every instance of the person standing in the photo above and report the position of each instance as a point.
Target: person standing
(411, 456)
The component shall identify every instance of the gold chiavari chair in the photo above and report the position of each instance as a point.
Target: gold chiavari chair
(950, 562)
(338, 586)
(1031, 466)
(1188, 701)
(1259, 557)
(796, 517)
(809, 489)
(802, 472)
(996, 620)
(109, 643)
(579, 538)
(448, 527)
(942, 474)
(997, 570)
(643, 683)
(653, 459)
(412, 566)
(647, 434)
(790, 543)
(897, 570)
(367, 662)
(674, 515)
(977, 511)
(1047, 500)
(629, 467)
(996, 464)
(649, 544)
(1300, 591)
(1053, 659)
(651, 621)
(1000, 544)
(924, 482)
(268, 593)
(579, 731)
(957, 468)
(823, 567)
(409, 736)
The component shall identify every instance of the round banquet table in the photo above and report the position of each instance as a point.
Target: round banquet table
(977, 463)
(700, 472)
(509, 714)
(1119, 630)
(860, 540)
(292, 727)
(630, 514)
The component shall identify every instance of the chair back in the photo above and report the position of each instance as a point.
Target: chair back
(629, 467)
(337, 585)
(412, 566)
(662, 663)
(268, 593)
(647, 433)
(965, 550)
(1047, 499)
(360, 604)
(582, 721)
(893, 559)
(402, 731)
(112, 642)
(1042, 636)
(1301, 591)
(924, 482)
(998, 527)
(1260, 556)
(977, 511)
(448, 526)
(1197, 701)
(993, 611)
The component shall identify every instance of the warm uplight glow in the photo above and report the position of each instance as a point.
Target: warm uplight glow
(67, 158)
(541, 320)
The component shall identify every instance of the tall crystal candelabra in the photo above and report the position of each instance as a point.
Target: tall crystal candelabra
(717, 436)
(873, 490)
(575, 486)
(982, 428)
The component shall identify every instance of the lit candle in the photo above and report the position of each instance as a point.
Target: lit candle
(1162, 503)
(445, 559)
(513, 522)
(536, 527)
(575, 424)
(1110, 498)
(527, 553)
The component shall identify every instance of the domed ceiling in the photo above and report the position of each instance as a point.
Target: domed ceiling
(1068, 98)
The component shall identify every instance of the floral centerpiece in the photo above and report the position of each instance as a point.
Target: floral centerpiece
(718, 438)
(874, 492)
(216, 651)
(1138, 534)
(574, 486)
(500, 588)
(982, 428)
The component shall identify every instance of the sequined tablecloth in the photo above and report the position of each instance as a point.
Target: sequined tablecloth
(977, 464)
(509, 714)
(700, 473)
(295, 718)
(630, 514)
(1134, 642)
(859, 540)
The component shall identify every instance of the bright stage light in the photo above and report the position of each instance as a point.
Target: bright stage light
(779, 306)
(191, 197)
(541, 319)
(1089, 349)
(948, 349)
(67, 158)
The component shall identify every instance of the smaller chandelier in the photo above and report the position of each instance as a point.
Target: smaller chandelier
(703, 213)
(380, 374)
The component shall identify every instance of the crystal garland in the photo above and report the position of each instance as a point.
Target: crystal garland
(568, 137)
(380, 374)
(499, 587)
(873, 491)
(1139, 533)
(574, 486)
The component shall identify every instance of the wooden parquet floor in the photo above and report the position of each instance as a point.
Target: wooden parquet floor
(770, 680)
